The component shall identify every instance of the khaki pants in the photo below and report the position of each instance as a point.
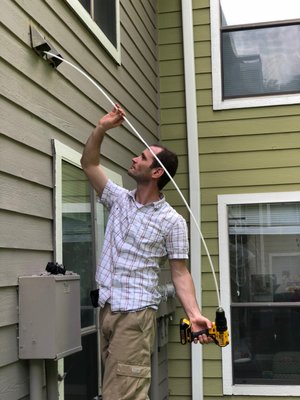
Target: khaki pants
(127, 341)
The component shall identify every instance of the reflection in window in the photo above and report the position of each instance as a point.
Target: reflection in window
(77, 234)
(260, 50)
(264, 253)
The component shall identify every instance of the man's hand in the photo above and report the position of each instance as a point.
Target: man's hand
(112, 119)
(200, 324)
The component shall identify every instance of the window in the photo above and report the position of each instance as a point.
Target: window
(102, 19)
(255, 52)
(260, 285)
(79, 232)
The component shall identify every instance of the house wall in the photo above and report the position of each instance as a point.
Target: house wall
(39, 104)
(241, 151)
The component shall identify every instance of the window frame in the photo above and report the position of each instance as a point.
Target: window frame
(216, 62)
(227, 355)
(94, 28)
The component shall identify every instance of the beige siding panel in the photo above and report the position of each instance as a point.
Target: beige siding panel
(18, 263)
(68, 121)
(38, 102)
(150, 7)
(125, 82)
(147, 84)
(14, 381)
(31, 131)
(8, 306)
(13, 18)
(8, 345)
(107, 75)
(25, 232)
(25, 197)
(25, 163)
(140, 29)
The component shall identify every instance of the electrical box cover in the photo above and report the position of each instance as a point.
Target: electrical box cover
(49, 316)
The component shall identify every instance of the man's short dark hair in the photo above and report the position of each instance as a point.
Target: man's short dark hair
(169, 161)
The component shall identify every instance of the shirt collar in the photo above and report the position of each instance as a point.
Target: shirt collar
(155, 204)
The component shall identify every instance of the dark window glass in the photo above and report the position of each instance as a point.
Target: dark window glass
(261, 61)
(105, 17)
(81, 371)
(86, 4)
(264, 254)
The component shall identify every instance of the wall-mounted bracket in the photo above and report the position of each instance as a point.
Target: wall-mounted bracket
(40, 45)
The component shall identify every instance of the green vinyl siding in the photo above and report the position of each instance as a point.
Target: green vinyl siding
(247, 150)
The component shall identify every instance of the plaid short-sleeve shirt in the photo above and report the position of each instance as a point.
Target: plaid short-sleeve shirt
(138, 240)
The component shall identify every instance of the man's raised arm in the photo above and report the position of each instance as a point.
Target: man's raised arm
(91, 154)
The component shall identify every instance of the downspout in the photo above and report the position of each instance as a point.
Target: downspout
(194, 178)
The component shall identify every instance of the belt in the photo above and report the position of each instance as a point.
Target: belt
(152, 306)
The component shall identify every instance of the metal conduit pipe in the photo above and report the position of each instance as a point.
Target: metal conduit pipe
(194, 177)
(167, 291)
(36, 379)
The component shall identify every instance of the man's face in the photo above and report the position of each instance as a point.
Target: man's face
(141, 169)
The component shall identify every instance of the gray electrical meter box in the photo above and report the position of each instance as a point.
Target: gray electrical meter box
(49, 316)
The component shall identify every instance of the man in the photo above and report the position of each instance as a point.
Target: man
(143, 230)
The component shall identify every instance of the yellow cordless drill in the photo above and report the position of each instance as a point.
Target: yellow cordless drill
(218, 331)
